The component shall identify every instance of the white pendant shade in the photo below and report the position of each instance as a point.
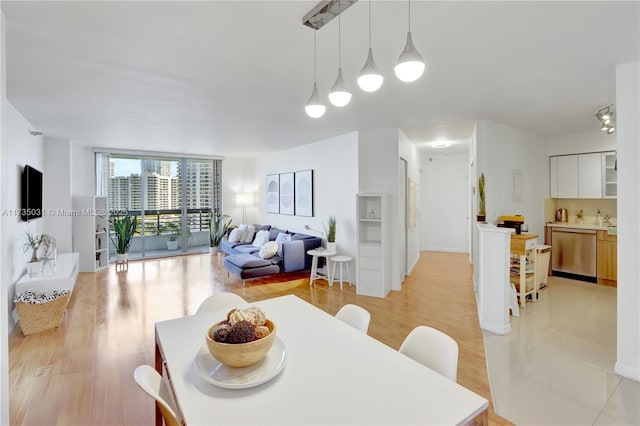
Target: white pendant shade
(410, 65)
(339, 95)
(370, 78)
(315, 108)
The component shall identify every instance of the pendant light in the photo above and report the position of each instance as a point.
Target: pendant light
(370, 78)
(315, 108)
(410, 65)
(339, 95)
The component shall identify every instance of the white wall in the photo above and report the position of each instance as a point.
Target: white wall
(628, 135)
(444, 188)
(410, 152)
(19, 148)
(581, 143)
(501, 149)
(4, 302)
(83, 175)
(334, 162)
(57, 192)
(239, 177)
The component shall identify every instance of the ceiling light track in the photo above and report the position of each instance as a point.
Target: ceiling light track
(324, 12)
(605, 115)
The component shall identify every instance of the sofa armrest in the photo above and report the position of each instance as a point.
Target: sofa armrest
(294, 254)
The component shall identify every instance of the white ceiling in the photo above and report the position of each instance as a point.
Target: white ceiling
(232, 78)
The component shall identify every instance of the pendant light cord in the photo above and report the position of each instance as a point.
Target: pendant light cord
(339, 37)
(409, 15)
(315, 57)
(369, 24)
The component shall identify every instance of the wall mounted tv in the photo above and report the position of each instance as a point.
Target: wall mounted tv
(31, 194)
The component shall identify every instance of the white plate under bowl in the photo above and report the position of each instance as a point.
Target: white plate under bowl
(214, 372)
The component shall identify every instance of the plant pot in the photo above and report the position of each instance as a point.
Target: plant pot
(34, 268)
(331, 246)
(213, 250)
(172, 245)
(122, 257)
(481, 218)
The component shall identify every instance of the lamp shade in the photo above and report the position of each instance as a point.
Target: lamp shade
(410, 65)
(370, 78)
(315, 108)
(339, 95)
(244, 199)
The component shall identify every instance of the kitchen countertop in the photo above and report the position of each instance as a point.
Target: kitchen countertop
(611, 229)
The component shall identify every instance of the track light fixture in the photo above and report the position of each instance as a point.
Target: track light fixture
(605, 115)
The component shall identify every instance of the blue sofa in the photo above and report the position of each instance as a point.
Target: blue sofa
(243, 260)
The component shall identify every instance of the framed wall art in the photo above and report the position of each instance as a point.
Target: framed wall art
(304, 193)
(273, 193)
(286, 193)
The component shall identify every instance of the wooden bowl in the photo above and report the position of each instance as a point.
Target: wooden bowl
(241, 354)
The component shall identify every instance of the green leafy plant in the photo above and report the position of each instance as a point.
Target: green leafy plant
(173, 230)
(33, 243)
(124, 227)
(219, 227)
(331, 234)
(481, 207)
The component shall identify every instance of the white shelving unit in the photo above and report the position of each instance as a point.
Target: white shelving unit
(374, 241)
(91, 233)
(609, 175)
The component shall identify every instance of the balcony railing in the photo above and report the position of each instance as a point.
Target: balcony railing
(156, 221)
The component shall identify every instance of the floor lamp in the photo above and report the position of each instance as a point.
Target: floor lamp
(244, 200)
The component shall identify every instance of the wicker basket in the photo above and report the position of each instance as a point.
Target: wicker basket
(35, 318)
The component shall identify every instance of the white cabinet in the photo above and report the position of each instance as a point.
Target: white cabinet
(553, 177)
(590, 175)
(374, 241)
(60, 274)
(568, 176)
(609, 175)
(91, 232)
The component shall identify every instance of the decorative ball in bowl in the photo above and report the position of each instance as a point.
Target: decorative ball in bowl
(240, 343)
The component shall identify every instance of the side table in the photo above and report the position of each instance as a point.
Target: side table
(315, 274)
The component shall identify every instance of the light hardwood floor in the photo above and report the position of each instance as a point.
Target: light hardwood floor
(81, 373)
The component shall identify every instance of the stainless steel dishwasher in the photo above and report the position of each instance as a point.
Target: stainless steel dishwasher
(574, 252)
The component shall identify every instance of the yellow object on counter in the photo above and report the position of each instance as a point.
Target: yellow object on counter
(517, 218)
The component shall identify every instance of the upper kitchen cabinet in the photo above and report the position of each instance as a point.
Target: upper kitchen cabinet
(568, 176)
(609, 175)
(590, 175)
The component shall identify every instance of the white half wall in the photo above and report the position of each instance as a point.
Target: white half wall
(334, 162)
(444, 201)
(628, 135)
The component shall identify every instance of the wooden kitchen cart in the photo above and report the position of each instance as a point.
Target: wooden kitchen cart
(523, 274)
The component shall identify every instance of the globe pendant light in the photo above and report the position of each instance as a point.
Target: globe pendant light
(339, 95)
(315, 108)
(410, 65)
(370, 78)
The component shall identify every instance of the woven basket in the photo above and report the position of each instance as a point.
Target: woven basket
(35, 318)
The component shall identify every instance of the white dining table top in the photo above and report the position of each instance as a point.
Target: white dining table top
(334, 375)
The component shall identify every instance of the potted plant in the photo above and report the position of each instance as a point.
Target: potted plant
(123, 228)
(331, 234)
(173, 230)
(481, 208)
(219, 227)
(33, 243)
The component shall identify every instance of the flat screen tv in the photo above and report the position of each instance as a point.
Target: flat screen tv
(31, 194)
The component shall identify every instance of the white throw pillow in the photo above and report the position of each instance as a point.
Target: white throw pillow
(248, 236)
(281, 238)
(262, 237)
(243, 229)
(268, 250)
(235, 235)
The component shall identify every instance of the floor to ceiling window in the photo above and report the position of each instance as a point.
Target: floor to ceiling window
(171, 197)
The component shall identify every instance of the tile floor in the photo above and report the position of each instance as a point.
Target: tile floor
(556, 365)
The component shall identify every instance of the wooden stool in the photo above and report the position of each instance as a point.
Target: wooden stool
(341, 260)
(122, 264)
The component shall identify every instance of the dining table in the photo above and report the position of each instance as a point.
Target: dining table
(328, 373)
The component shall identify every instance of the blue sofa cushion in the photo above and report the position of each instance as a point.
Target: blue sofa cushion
(246, 261)
(300, 236)
(273, 233)
(247, 249)
(262, 227)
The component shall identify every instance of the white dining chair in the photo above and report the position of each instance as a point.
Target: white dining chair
(434, 349)
(151, 383)
(355, 316)
(221, 301)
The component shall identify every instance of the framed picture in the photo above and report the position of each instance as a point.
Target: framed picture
(304, 193)
(286, 193)
(273, 193)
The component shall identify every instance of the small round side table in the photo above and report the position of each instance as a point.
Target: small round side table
(340, 260)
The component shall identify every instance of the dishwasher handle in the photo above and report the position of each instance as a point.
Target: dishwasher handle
(574, 230)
